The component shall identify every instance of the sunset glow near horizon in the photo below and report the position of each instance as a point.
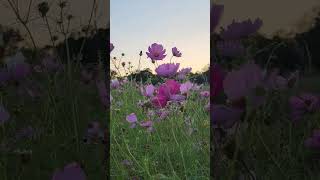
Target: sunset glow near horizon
(135, 25)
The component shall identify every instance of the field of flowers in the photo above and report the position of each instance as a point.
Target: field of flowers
(51, 120)
(159, 130)
(265, 123)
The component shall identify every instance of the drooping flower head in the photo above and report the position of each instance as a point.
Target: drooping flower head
(70, 172)
(167, 70)
(215, 16)
(156, 52)
(111, 47)
(176, 52)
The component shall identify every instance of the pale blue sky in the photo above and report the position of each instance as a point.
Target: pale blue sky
(136, 24)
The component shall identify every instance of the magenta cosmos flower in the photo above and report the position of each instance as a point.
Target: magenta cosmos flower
(170, 87)
(217, 80)
(167, 70)
(159, 101)
(313, 142)
(300, 105)
(176, 52)
(156, 52)
(72, 171)
(215, 14)
(166, 92)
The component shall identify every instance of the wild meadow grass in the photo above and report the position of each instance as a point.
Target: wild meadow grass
(265, 116)
(268, 145)
(171, 151)
(46, 132)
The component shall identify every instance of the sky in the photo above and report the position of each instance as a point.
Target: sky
(184, 24)
(289, 16)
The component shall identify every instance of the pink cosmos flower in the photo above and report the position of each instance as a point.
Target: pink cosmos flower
(165, 92)
(148, 90)
(186, 87)
(241, 83)
(132, 119)
(147, 124)
(71, 171)
(176, 52)
(115, 83)
(173, 86)
(313, 142)
(167, 70)
(156, 52)
(205, 94)
(183, 73)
